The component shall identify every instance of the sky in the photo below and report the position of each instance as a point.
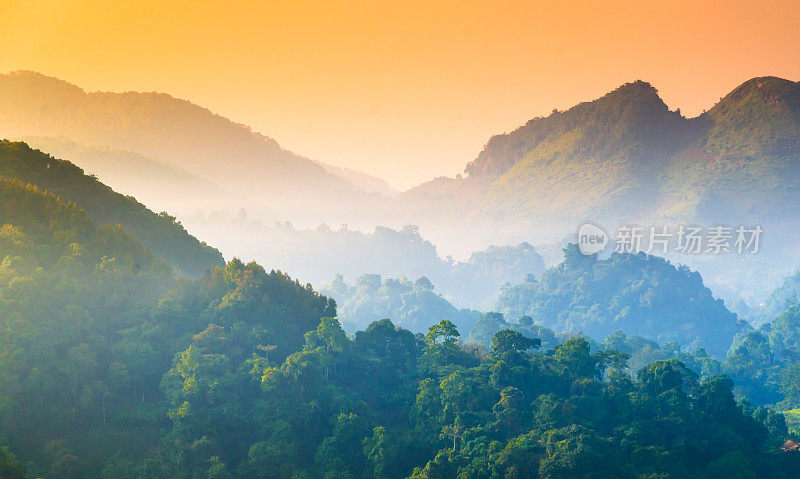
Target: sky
(402, 90)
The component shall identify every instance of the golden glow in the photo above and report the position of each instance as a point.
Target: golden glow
(404, 90)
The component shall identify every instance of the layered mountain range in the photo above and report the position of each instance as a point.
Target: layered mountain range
(624, 158)
(249, 167)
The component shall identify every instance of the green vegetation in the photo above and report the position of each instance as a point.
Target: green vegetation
(632, 115)
(113, 368)
(489, 324)
(771, 107)
(9, 467)
(608, 151)
(413, 306)
(625, 158)
(386, 404)
(765, 364)
(637, 294)
(90, 322)
(160, 233)
(793, 420)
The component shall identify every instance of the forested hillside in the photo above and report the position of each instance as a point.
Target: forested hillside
(160, 233)
(627, 158)
(637, 294)
(70, 293)
(112, 368)
(90, 321)
(626, 155)
(414, 306)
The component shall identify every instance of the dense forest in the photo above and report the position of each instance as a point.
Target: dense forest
(113, 367)
(160, 233)
(637, 294)
(91, 321)
(115, 363)
(416, 305)
(413, 306)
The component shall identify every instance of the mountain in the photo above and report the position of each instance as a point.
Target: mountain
(157, 185)
(746, 164)
(38, 227)
(599, 157)
(626, 158)
(112, 367)
(639, 295)
(184, 136)
(368, 183)
(91, 321)
(160, 233)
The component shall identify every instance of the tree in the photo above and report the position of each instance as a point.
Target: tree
(509, 343)
(330, 338)
(378, 451)
(669, 375)
(444, 332)
(454, 430)
(576, 360)
(9, 467)
(790, 384)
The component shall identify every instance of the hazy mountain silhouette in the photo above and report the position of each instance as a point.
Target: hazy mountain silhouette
(622, 158)
(627, 158)
(368, 183)
(156, 184)
(160, 233)
(182, 135)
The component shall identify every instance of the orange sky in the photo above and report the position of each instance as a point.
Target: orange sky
(404, 90)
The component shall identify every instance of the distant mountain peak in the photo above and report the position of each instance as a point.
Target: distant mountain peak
(761, 115)
(768, 85)
(639, 94)
(30, 79)
(627, 115)
(761, 91)
(637, 89)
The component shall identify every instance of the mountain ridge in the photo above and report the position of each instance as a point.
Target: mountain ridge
(612, 159)
(187, 136)
(160, 233)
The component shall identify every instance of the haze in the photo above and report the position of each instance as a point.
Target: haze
(407, 91)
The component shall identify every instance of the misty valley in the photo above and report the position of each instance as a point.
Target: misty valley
(182, 297)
